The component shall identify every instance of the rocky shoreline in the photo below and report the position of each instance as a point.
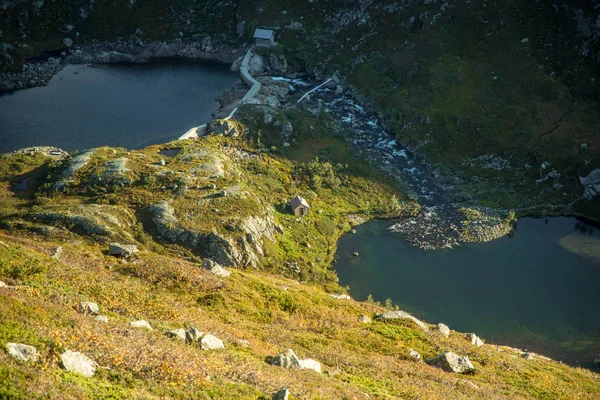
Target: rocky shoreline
(133, 50)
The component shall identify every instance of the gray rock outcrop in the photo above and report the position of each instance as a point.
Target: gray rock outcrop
(256, 65)
(178, 334)
(451, 362)
(222, 250)
(22, 352)
(76, 164)
(286, 359)
(391, 315)
(591, 184)
(79, 363)
(122, 250)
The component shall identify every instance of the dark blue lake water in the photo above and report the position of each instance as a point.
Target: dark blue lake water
(122, 105)
(539, 290)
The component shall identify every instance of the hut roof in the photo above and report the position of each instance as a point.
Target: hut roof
(297, 202)
(263, 34)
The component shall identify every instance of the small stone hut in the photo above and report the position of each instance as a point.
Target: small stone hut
(264, 37)
(299, 206)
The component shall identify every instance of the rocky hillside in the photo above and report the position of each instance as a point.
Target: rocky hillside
(501, 96)
(177, 269)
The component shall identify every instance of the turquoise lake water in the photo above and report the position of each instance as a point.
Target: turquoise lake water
(528, 291)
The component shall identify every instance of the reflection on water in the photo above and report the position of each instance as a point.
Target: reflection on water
(537, 290)
(123, 105)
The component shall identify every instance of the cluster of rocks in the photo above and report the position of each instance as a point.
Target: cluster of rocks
(288, 359)
(206, 341)
(73, 361)
(92, 309)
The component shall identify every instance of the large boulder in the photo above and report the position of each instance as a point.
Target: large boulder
(444, 330)
(210, 342)
(122, 250)
(391, 315)
(450, 362)
(311, 364)
(141, 324)
(256, 65)
(286, 359)
(22, 352)
(76, 362)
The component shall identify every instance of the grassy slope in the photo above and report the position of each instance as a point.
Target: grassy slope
(272, 308)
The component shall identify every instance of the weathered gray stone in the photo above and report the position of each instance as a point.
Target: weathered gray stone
(388, 315)
(283, 394)
(178, 334)
(22, 352)
(68, 42)
(215, 268)
(256, 65)
(141, 324)
(444, 330)
(76, 362)
(122, 250)
(193, 335)
(311, 364)
(87, 307)
(450, 362)
(101, 318)
(286, 359)
(210, 342)
(415, 355)
(474, 339)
